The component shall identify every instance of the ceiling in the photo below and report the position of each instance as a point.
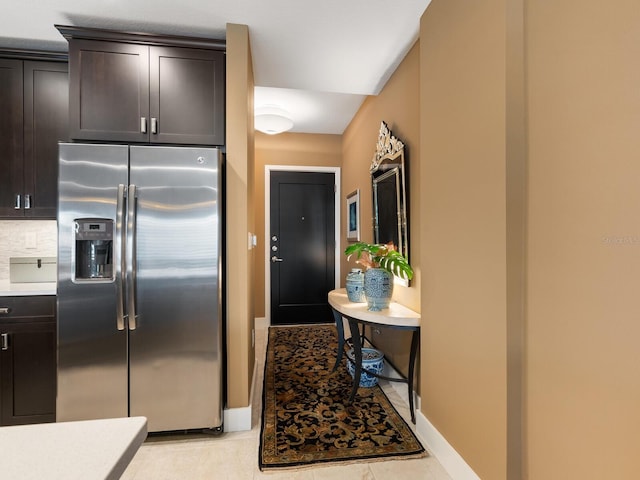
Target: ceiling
(316, 60)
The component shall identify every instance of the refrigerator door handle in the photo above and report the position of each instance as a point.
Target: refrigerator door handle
(131, 258)
(119, 258)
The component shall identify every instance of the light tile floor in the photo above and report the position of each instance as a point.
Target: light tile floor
(234, 456)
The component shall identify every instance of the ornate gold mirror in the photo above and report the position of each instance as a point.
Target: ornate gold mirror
(389, 192)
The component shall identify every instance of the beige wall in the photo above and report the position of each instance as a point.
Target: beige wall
(298, 149)
(524, 229)
(398, 105)
(464, 227)
(530, 242)
(240, 221)
(583, 328)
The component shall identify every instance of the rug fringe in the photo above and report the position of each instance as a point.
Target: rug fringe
(339, 463)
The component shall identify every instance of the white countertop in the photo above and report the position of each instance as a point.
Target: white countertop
(8, 289)
(86, 450)
(396, 314)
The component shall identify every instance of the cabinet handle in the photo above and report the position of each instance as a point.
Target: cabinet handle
(143, 124)
(17, 207)
(5, 341)
(154, 125)
(4, 310)
(27, 202)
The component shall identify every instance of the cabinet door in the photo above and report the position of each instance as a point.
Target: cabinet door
(46, 107)
(109, 91)
(187, 95)
(28, 372)
(11, 141)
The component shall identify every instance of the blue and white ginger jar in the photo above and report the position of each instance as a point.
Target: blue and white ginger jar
(355, 285)
(378, 288)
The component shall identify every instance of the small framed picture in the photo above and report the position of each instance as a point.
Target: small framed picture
(353, 216)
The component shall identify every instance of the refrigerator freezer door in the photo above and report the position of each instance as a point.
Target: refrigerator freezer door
(92, 352)
(175, 350)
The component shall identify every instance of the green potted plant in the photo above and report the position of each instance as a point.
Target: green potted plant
(381, 263)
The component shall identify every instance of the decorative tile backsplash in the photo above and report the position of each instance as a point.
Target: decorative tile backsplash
(26, 238)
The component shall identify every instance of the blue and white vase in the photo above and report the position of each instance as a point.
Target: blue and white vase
(372, 360)
(355, 285)
(378, 288)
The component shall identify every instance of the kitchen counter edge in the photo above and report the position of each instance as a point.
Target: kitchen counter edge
(8, 289)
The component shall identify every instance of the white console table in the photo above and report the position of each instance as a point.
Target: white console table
(396, 316)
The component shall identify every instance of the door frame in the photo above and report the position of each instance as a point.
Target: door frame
(267, 224)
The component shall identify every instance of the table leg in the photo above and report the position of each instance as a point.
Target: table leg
(357, 354)
(412, 362)
(338, 318)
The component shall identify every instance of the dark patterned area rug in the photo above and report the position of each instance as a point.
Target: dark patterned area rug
(305, 416)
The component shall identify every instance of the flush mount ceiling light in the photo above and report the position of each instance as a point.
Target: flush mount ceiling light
(272, 120)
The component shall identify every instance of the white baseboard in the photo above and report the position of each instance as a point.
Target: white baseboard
(431, 438)
(261, 322)
(400, 388)
(237, 419)
(438, 446)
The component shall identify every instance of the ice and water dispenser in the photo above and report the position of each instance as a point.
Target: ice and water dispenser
(94, 249)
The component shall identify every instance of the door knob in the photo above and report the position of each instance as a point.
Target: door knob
(275, 259)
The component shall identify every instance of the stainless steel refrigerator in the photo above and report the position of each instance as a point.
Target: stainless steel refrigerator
(139, 285)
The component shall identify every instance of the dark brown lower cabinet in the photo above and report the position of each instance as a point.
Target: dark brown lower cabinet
(27, 360)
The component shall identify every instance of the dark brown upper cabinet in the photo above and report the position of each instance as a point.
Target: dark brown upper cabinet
(109, 90)
(11, 136)
(33, 119)
(146, 93)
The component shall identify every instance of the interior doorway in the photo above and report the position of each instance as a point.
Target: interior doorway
(302, 218)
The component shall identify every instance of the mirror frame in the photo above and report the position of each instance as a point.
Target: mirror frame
(389, 162)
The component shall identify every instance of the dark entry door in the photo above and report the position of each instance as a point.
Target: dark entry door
(302, 241)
